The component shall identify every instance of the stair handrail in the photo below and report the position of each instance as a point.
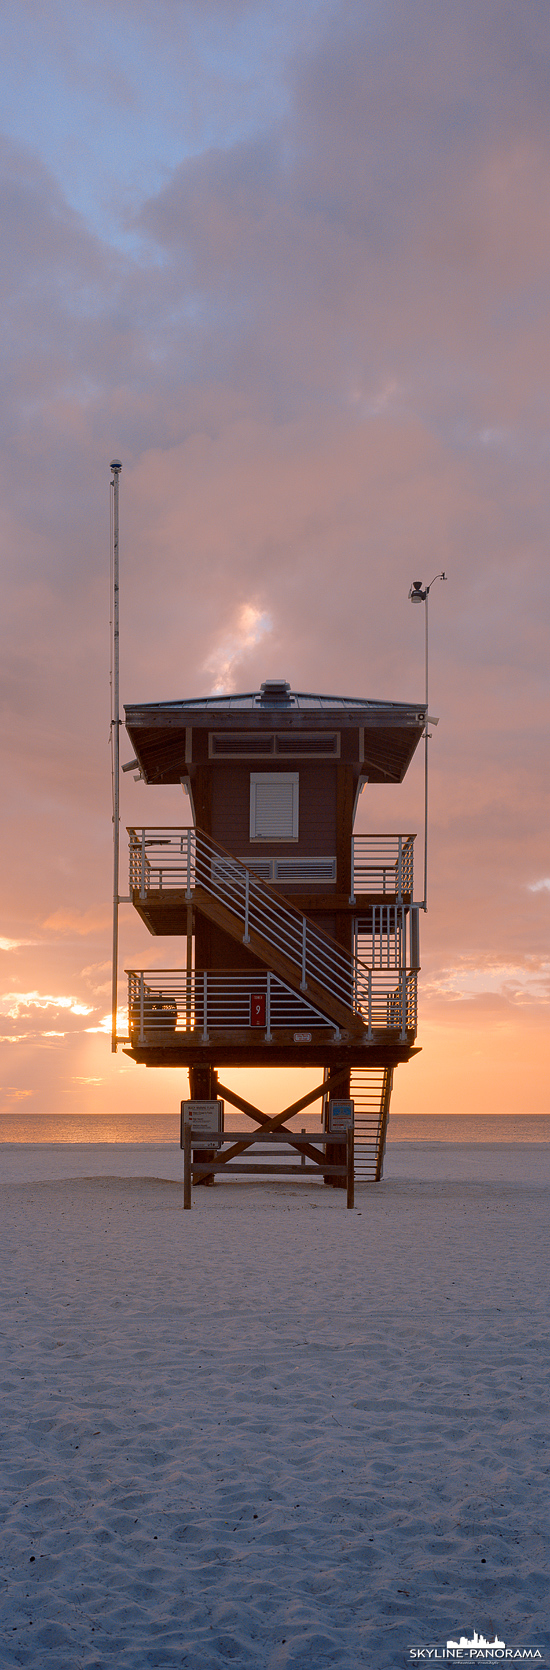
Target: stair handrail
(275, 918)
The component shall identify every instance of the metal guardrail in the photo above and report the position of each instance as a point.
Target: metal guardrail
(162, 860)
(191, 860)
(165, 1005)
(382, 864)
(386, 936)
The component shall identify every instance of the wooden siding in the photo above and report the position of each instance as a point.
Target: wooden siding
(231, 810)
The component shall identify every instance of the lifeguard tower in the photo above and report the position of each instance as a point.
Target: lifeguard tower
(302, 943)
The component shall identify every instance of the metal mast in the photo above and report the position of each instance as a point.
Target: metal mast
(116, 467)
(420, 594)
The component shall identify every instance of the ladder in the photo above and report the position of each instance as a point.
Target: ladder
(370, 1088)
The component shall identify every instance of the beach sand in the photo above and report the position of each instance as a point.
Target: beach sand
(270, 1432)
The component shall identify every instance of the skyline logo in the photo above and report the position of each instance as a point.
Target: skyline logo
(474, 1649)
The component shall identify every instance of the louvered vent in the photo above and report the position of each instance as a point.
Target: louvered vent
(260, 867)
(304, 870)
(240, 745)
(316, 745)
(245, 745)
(296, 871)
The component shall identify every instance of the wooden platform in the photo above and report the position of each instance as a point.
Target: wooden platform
(191, 1052)
(165, 912)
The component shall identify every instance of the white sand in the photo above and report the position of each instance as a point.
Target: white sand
(270, 1432)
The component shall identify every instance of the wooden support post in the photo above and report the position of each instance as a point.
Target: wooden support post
(187, 1165)
(350, 1169)
(339, 1156)
(273, 1122)
(203, 1087)
(345, 795)
(189, 971)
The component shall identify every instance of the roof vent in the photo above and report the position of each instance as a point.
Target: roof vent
(275, 690)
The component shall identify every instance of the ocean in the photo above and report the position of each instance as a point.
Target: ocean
(164, 1128)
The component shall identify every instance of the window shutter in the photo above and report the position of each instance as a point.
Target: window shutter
(274, 806)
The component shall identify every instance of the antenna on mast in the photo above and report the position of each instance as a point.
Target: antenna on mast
(116, 467)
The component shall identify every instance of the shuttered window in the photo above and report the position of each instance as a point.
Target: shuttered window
(274, 805)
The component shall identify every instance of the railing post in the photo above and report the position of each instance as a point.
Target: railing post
(403, 982)
(268, 1008)
(369, 1029)
(246, 935)
(352, 894)
(188, 888)
(400, 869)
(303, 982)
(142, 881)
(141, 1010)
(205, 1007)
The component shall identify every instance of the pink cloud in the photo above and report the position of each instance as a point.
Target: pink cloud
(325, 367)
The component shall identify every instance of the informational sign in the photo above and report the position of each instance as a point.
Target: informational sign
(341, 1116)
(302, 1037)
(257, 1009)
(203, 1116)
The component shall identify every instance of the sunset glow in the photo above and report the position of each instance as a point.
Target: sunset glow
(290, 265)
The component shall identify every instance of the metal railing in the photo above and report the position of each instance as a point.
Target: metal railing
(188, 859)
(171, 1000)
(160, 860)
(382, 864)
(166, 1004)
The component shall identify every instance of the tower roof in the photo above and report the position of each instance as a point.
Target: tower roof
(157, 730)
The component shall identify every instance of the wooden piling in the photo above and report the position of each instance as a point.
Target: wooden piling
(187, 1165)
(350, 1201)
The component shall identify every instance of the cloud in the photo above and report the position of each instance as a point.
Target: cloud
(66, 921)
(223, 663)
(13, 944)
(318, 341)
(542, 886)
(10, 1097)
(522, 982)
(105, 1025)
(18, 1002)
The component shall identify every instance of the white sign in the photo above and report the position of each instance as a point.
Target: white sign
(203, 1116)
(341, 1116)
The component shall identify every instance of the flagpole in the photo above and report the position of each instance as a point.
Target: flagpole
(116, 467)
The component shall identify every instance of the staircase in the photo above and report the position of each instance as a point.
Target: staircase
(252, 912)
(370, 1088)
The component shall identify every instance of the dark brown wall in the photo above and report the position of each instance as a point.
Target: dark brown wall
(317, 821)
(215, 949)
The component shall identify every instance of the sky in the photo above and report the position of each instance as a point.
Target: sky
(291, 265)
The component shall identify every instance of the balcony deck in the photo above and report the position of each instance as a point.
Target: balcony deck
(163, 875)
(255, 1019)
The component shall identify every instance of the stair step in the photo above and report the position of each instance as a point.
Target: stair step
(370, 1088)
(272, 929)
